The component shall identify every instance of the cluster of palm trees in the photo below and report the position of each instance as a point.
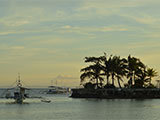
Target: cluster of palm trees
(104, 71)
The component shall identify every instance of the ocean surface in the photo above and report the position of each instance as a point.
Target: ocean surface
(63, 107)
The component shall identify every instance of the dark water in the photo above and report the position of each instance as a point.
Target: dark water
(62, 107)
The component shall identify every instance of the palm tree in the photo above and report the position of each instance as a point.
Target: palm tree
(106, 67)
(134, 65)
(141, 78)
(117, 68)
(120, 69)
(151, 73)
(93, 72)
(112, 67)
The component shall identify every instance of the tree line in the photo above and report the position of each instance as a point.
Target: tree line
(103, 71)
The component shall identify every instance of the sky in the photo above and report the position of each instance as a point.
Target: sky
(47, 40)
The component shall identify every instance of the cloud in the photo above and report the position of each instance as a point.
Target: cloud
(23, 31)
(146, 20)
(13, 54)
(153, 35)
(65, 80)
(16, 19)
(143, 44)
(10, 32)
(112, 29)
(116, 4)
(64, 77)
(15, 23)
(66, 27)
(143, 18)
(7, 33)
(107, 7)
(88, 30)
(9, 47)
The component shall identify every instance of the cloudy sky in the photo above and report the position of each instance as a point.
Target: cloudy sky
(47, 40)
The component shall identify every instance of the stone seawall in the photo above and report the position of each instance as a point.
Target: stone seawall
(116, 93)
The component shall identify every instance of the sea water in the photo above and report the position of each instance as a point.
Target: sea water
(63, 107)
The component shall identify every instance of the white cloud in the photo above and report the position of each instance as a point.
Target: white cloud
(12, 54)
(7, 33)
(64, 77)
(91, 30)
(15, 23)
(146, 44)
(66, 27)
(65, 80)
(23, 31)
(4, 33)
(112, 29)
(143, 18)
(107, 7)
(153, 35)
(116, 4)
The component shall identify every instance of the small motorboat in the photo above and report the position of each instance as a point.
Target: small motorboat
(45, 100)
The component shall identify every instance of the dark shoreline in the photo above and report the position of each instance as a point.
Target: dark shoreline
(116, 93)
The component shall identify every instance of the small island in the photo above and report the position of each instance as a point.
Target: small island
(99, 78)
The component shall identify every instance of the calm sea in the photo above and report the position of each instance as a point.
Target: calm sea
(62, 107)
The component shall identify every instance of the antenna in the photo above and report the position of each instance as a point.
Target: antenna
(19, 81)
(19, 77)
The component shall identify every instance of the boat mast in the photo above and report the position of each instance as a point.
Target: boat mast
(19, 81)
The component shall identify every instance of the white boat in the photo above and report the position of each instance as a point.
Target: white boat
(56, 90)
(45, 100)
(17, 93)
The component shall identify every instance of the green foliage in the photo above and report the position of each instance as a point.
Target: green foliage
(150, 86)
(116, 68)
(93, 72)
(134, 66)
(151, 73)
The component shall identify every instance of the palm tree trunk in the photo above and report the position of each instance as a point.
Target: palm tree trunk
(97, 82)
(107, 79)
(134, 77)
(101, 83)
(150, 80)
(131, 80)
(112, 79)
(119, 83)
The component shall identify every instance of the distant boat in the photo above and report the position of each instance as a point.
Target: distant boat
(57, 90)
(45, 100)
